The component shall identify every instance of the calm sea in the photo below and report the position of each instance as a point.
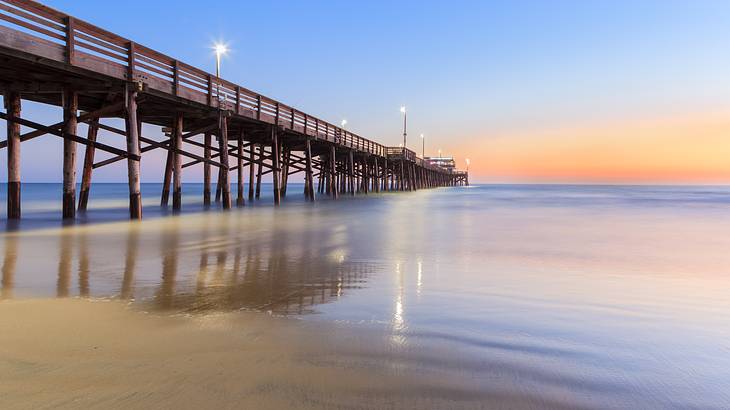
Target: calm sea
(583, 296)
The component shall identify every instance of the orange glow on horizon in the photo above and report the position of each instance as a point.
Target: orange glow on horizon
(691, 149)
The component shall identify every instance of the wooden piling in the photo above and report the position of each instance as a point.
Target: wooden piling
(320, 177)
(88, 165)
(133, 126)
(177, 163)
(218, 182)
(239, 171)
(333, 171)
(286, 155)
(251, 162)
(351, 172)
(70, 110)
(343, 176)
(327, 175)
(376, 175)
(275, 154)
(207, 143)
(168, 172)
(12, 105)
(225, 183)
(308, 175)
(259, 171)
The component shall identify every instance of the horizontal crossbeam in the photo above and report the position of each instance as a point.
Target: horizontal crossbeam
(75, 138)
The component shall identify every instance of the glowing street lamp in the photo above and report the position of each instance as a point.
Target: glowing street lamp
(220, 50)
(343, 124)
(467, 164)
(405, 122)
(439, 152)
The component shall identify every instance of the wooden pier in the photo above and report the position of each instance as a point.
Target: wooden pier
(50, 57)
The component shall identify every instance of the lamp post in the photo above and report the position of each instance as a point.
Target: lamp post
(405, 123)
(220, 50)
(467, 165)
(423, 146)
(439, 152)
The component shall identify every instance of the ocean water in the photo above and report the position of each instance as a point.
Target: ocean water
(578, 296)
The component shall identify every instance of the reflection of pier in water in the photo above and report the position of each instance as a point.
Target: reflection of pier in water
(211, 267)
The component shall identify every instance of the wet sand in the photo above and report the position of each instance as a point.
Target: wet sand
(76, 353)
(487, 297)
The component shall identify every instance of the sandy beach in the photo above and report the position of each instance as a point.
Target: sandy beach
(74, 353)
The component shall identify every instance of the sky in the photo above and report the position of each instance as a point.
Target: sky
(530, 91)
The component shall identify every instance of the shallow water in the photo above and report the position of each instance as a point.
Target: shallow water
(581, 296)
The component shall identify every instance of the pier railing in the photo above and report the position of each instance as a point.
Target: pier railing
(48, 33)
(401, 153)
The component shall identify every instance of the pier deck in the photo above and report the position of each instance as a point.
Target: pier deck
(50, 57)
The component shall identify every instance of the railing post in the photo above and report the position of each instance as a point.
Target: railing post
(210, 90)
(258, 107)
(70, 40)
(238, 100)
(131, 49)
(292, 118)
(175, 78)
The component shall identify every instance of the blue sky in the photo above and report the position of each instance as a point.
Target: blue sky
(470, 72)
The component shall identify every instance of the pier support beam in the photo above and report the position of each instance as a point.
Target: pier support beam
(252, 161)
(259, 171)
(275, 155)
(218, 182)
(168, 172)
(207, 141)
(351, 173)
(70, 111)
(224, 180)
(88, 165)
(286, 157)
(376, 176)
(177, 163)
(12, 105)
(239, 171)
(333, 172)
(135, 198)
(308, 173)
